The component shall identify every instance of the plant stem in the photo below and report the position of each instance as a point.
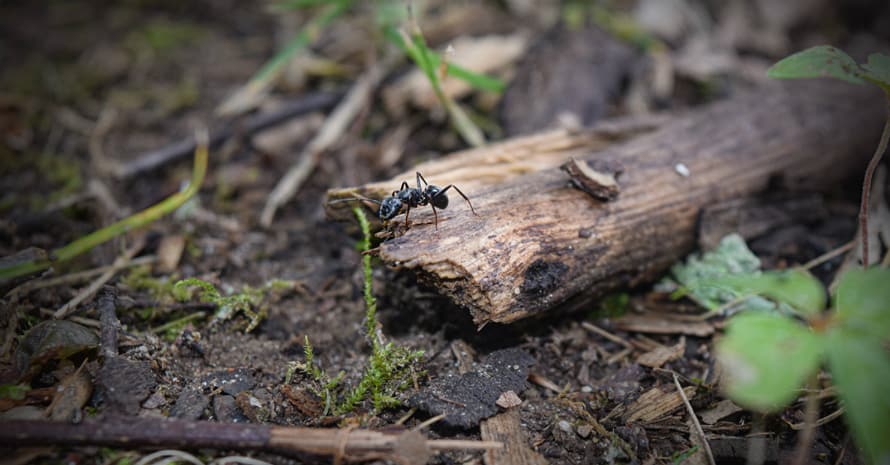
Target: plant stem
(810, 415)
(866, 183)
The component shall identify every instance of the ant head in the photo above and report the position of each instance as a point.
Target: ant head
(389, 208)
(438, 198)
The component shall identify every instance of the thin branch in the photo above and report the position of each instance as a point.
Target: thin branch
(134, 432)
(71, 278)
(327, 136)
(811, 414)
(698, 429)
(106, 307)
(827, 256)
(119, 264)
(154, 159)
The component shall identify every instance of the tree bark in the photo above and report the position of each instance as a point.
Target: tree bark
(538, 243)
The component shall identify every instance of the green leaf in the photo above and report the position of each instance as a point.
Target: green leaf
(767, 357)
(877, 70)
(798, 288)
(820, 61)
(862, 301)
(860, 368)
(731, 256)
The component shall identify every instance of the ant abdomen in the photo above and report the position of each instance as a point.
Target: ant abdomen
(389, 208)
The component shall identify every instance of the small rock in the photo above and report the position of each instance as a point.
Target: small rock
(125, 384)
(154, 401)
(252, 407)
(230, 381)
(190, 404)
(226, 411)
(565, 426)
(682, 170)
(584, 431)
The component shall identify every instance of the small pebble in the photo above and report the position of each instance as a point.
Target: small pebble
(565, 426)
(682, 170)
(584, 431)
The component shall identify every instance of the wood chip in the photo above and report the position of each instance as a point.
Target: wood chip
(506, 428)
(655, 404)
(660, 355)
(723, 409)
(661, 323)
(508, 399)
(597, 178)
(170, 252)
(72, 393)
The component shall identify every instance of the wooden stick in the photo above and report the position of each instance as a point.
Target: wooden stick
(539, 243)
(401, 446)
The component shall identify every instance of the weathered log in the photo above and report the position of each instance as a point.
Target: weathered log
(539, 243)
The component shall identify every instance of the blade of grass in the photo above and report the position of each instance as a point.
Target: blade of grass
(260, 83)
(416, 48)
(477, 80)
(135, 221)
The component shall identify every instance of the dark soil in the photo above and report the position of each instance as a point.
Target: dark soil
(135, 76)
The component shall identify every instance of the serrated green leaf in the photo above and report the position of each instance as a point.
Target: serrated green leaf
(860, 368)
(731, 256)
(878, 70)
(767, 357)
(820, 61)
(862, 301)
(797, 288)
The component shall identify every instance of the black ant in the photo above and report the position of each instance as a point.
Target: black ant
(408, 197)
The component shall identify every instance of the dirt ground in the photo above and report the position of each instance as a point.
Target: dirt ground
(89, 87)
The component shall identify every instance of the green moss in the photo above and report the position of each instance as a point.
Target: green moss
(390, 368)
(160, 288)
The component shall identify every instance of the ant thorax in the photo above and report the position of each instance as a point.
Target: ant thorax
(411, 197)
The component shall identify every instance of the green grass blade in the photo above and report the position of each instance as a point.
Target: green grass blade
(477, 80)
(107, 233)
(263, 79)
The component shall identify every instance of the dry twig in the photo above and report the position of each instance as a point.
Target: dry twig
(698, 429)
(119, 264)
(404, 447)
(329, 134)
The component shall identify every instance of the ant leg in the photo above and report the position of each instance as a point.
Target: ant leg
(435, 217)
(419, 177)
(442, 192)
(407, 212)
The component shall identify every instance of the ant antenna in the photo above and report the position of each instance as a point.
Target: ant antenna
(353, 199)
